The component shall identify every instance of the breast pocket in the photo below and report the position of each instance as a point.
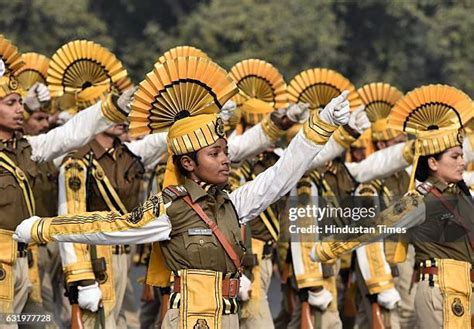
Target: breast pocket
(202, 251)
(9, 190)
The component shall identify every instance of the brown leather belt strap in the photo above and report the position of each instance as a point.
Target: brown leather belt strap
(230, 287)
(432, 271)
(215, 230)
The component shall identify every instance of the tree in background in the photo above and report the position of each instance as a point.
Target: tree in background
(43, 26)
(406, 43)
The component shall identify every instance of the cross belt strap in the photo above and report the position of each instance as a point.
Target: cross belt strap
(458, 218)
(215, 230)
(22, 181)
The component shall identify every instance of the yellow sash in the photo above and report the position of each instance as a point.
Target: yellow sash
(201, 299)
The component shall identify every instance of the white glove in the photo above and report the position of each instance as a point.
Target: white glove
(63, 117)
(244, 289)
(227, 110)
(312, 254)
(337, 112)
(126, 99)
(320, 299)
(298, 112)
(2, 68)
(37, 94)
(23, 231)
(389, 298)
(359, 120)
(89, 297)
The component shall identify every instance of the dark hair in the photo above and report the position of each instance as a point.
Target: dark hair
(465, 189)
(423, 169)
(177, 162)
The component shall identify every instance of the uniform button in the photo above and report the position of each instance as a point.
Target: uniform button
(201, 241)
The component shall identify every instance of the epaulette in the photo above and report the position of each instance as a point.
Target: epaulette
(174, 192)
(424, 188)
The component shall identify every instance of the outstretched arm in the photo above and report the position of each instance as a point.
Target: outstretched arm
(407, 212)
(76, 132)
(150, 148)
(250, 143)
(146, 223)
(255, 196)
(380, 164)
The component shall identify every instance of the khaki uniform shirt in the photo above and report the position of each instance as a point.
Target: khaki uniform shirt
(439, 236)
(13, 208)
(192, 244)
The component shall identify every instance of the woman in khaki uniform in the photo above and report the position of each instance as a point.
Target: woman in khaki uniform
(194, 218)
(438, 214)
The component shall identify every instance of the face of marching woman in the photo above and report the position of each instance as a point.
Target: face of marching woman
(449, 167)
(11, 115)
(212, 164)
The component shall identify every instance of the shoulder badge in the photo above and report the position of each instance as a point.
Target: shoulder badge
(175, 192)
(424, 188)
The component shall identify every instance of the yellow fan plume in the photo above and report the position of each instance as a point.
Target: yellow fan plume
(34, 70)
(431, 107)
(378, 98)
(178, 88)
(181, 51)
(84, 68)
(10, 55)
(259, 79)
(318, 86)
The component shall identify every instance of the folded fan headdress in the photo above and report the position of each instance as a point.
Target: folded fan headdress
(435, 114)
(12, 62)
(260, 84)
(379, 98)
(318, 86)
(86, 70)
(34, 70)
(182, 51)
(182, 96)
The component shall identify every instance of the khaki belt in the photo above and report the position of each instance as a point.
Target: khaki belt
(230, 287)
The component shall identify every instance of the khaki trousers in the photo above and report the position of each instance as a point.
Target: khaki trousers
(119, 270)
(256, 312)
(328, 319)
(428, 306)
(406, 306)
(129, 312)
(363, 317)
(22, 287)
(52, 284)
(171, 320)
